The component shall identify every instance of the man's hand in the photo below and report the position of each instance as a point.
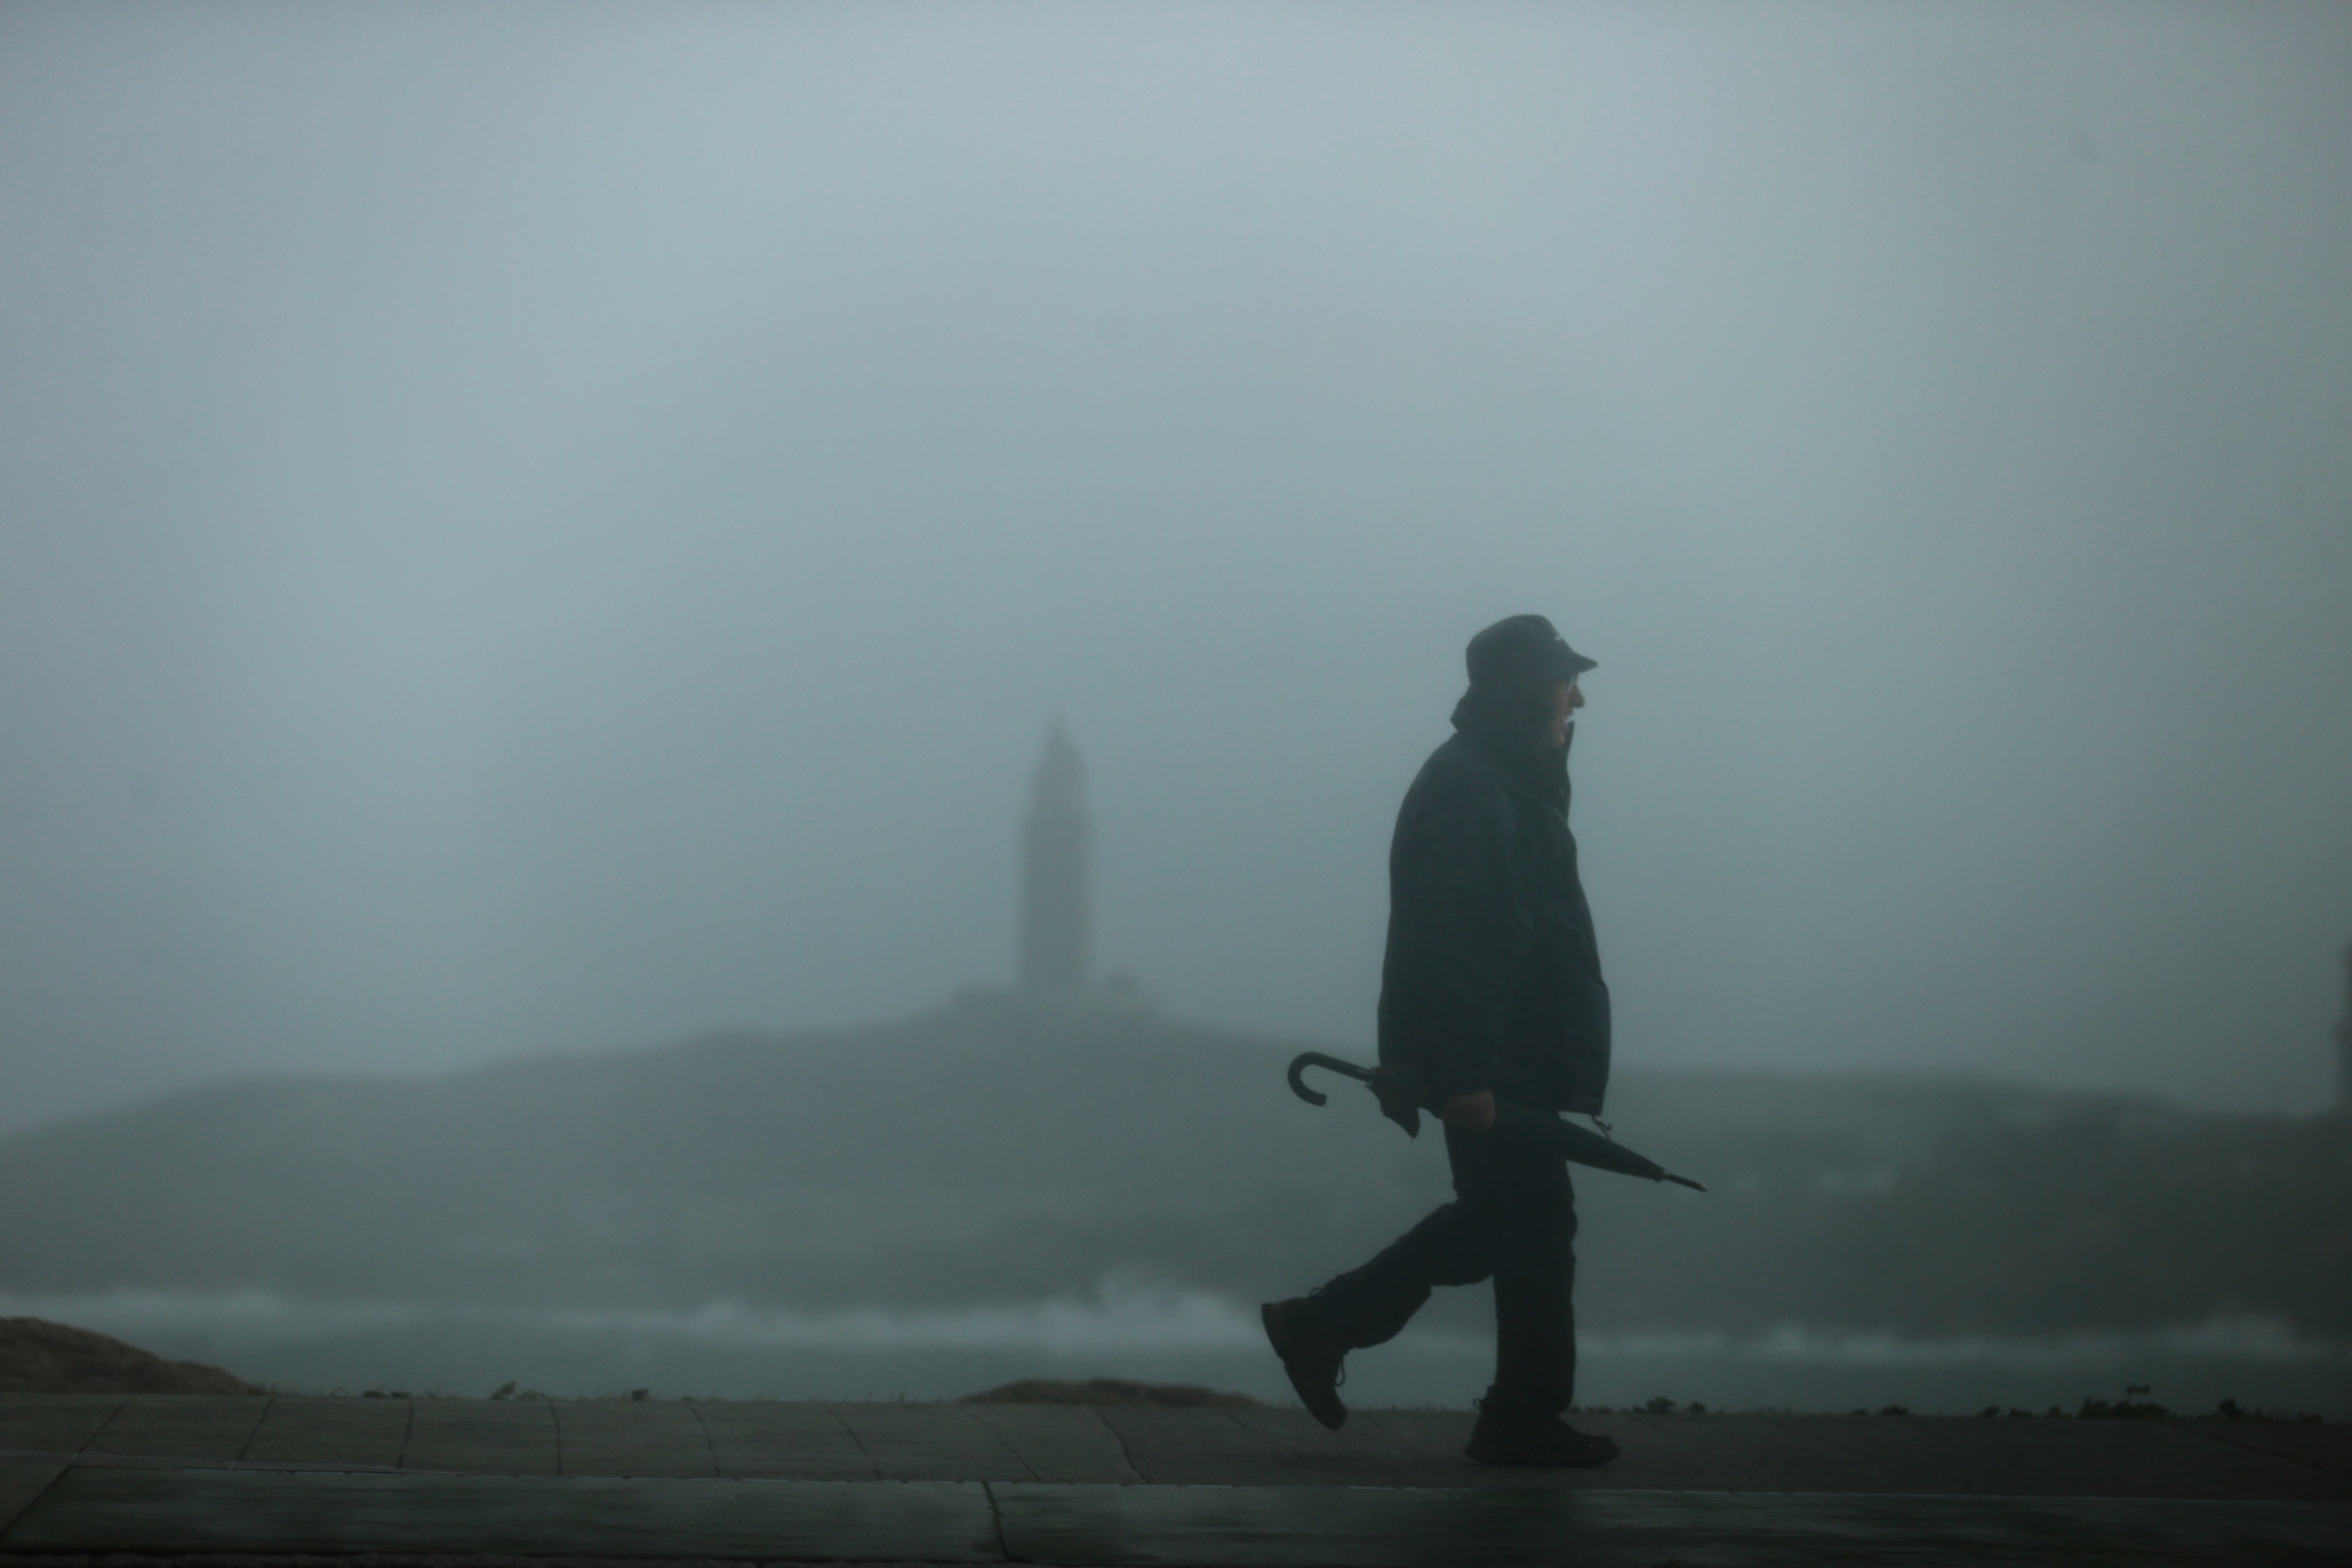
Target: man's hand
(1470, 1112)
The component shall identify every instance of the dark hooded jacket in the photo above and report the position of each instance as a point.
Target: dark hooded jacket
(1492, 976)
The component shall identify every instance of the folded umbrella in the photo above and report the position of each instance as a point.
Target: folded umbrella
(1404, 1098)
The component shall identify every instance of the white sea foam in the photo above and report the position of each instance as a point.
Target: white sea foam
(1117, 1318)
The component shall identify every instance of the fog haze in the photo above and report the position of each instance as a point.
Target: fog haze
(553, 526)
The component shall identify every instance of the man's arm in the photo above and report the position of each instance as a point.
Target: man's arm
(1465, 936)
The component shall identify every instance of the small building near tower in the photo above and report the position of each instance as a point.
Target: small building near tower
(1056, 876)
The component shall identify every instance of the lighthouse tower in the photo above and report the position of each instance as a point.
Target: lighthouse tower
(1056, 874)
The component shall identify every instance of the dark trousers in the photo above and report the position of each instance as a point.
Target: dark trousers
(1512, 1219)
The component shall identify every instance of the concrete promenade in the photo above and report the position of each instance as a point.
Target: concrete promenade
(167, 1475)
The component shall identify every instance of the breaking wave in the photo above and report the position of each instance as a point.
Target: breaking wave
(1118, 1317)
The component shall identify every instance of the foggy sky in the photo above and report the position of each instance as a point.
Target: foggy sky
(539, 526)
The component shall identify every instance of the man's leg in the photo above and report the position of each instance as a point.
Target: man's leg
(1454, 1244)
(1535, 1322)
(1535, 1280)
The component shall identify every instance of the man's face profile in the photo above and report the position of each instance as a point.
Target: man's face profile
(1567, 696)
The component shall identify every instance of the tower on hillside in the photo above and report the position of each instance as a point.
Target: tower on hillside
(1056, 874)
(2344, 1045)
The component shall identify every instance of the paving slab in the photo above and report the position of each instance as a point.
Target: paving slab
(1361, 1453)
(257, 1511)
(53, 1423)
(931, 1443)
(778, 1481)
(1362, 1527)
(494, 1436)
(1962, 1457)
(180, 1427)
(1194, 1448)
(2089, 1459)
(780, 1439)
(266, 1512)
(1429, 1444)
(97, 1510)
(1732, 1454)
(1966, 1456)
(2325, 1447)
(616, 1438)
(677, 1438)
(367, 1434)
(21, 1481)
(1063, 1442)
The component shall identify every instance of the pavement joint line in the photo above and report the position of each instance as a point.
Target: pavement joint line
(855, 1441)
(1265, 1450)
(2230, 1440)
(1001, 1440)
(268, 1404)
(963, 1412)
(996, 1520)
(1125, 1453)
(111, 1416)
(407, 1432)
(710, 1444)
(9, 1517)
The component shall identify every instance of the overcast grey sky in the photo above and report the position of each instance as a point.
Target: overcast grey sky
(543, 525)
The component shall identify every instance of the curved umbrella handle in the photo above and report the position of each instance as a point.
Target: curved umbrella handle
(1305, 1059)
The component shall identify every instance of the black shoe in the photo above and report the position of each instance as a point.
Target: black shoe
(1314, 1363)
(1549, 1445)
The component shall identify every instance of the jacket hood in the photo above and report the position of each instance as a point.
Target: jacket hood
(1507, 724)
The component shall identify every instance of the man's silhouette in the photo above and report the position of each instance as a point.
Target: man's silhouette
(1490, 989)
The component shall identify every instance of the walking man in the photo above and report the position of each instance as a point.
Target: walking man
(1490, 990)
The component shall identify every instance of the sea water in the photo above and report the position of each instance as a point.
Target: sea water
(740, 1351)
